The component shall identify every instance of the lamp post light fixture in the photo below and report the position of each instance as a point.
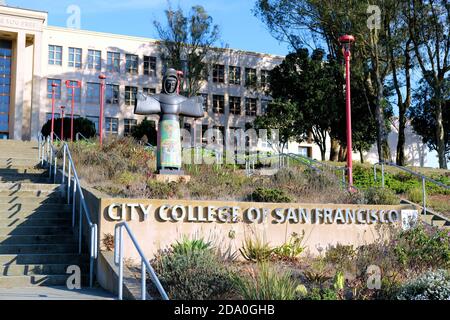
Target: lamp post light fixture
(346, 41)
(54, 86)
(102, 78)
(62, 122)
(73, 87)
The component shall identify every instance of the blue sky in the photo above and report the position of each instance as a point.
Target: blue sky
(239, 28)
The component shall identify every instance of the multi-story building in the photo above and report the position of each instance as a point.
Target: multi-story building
(34, 55)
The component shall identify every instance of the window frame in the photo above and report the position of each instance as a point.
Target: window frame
(77, 54)
(112, 58)
(54, 61)
(93, 55)
(234, 77)
(129, 99)
(132, 63)
(218, 108)
(218, 73)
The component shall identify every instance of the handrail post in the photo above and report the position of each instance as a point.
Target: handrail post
(55, 169)
(382, 175)
(80, 229)
(64, 164)
(74, 194)
(69, 182)
(424, 200)
(120, 262)
(143, 280)
(375, 172)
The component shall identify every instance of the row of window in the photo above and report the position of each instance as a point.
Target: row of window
(234, 75)
(112, 92)
(94, 60)
(235, 105)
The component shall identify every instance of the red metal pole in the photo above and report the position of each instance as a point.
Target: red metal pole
(348, 117)
(54, 85)
(71, 114)
(180, 76)
(62, 123)
(102, 78)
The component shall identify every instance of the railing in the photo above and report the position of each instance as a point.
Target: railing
(78, 135)
(48, 154)
(145, 265)
(421, 176)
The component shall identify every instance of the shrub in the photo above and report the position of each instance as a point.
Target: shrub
(108, 242)
(419, 248)
(340, 255)
(82, 125)
(432, 285)
(292, 249)
(270, 195)
(415, 195)
(321, 294)
(146, 128)
(162, 190)
(199, 275)
(256, 250)
(187, 246)
(381, 196)
(267, 283)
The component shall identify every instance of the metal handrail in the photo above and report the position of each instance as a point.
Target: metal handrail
(145, 265)
(424, 178)
(77, 136)
(49, 153)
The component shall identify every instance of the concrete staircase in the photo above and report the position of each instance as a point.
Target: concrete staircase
(37, 242)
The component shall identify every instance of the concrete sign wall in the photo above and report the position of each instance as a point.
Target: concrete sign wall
(159, 223)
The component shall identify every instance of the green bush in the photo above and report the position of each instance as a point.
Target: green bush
(321, 294)
(341, 256)
(145, 128)
(419, 248)
(82, 125)
(381, 196)
(415, 195)
(198, 275)
(432, 285)
(270, 195)
(162, 190)
(187, 246)
(291, 249)
(256, 250)
(267, 283)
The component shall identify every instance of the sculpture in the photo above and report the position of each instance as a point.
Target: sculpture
(169, 105)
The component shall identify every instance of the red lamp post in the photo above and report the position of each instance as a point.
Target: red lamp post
(54, 85)
(73, 87)
(102, 78)
(346, 41)
(62, 123)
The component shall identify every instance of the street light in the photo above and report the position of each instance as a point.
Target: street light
(346, 42)
(54, 85)
(102, 78)
(73, 87)
(62, 123)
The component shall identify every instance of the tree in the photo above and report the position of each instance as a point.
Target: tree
(82, 125)
(423, 118)
(312, 22)
(429, 28)
(146, 128)
(187, 44)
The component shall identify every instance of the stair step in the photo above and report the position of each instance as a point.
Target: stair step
(43, 258)
(26, 207)
(12, 196)
(28, 187)
(30, 170)
(24, 202)
(38, 248)
(38, 269)
(15, 222)
(36, 239)
(24, 179)
(53, 230)
(37, 214)
(38, 280)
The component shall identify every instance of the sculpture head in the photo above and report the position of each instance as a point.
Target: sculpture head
(170, 81)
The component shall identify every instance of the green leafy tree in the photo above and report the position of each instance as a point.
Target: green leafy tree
(187, 44)
(82, 125)
(146, 128)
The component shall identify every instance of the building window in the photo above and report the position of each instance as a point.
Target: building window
(235, 105)
(55, 55)
(112, 93)
(111, 125)
(149, 91)
(205, 101)
(113, 63)
(132, 63)
(130, 95)
(250, 107)
(218, 104)
(234, 75)
(93, 92)
(264, 79)
(150, 66)
(305, 151)
(77, 91)
(129, 125)
(57, 89)
(94, 120)
(250, 77)
(264, 105)
(75, 57)
(95, 59)
(219, 134)
(218, 73)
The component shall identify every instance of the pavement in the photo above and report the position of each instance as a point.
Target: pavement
(54, 293)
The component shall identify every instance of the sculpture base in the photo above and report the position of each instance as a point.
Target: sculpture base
(167, 178)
